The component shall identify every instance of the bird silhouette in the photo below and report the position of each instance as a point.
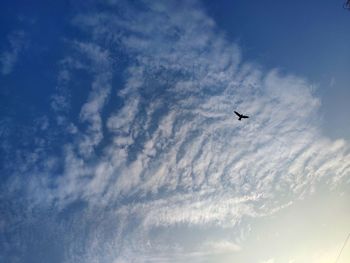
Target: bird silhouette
(241, 116)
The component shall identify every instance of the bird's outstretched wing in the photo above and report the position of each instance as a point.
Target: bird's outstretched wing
(239, 115)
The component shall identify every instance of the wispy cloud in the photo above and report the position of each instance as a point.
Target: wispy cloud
(17, 41)
(172, 154)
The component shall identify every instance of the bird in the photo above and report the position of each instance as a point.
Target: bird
(241, 116)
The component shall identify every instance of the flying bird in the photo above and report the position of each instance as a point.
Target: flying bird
(241, 116)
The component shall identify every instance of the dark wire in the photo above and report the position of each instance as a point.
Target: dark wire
(346, 240)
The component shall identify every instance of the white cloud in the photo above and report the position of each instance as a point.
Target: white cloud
(222, 246)
(176, 139)
(8, 58)
(91, 113)
(271, 260)
(177, 156)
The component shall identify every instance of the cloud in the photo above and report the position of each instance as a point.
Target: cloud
(172, 155)
(17, 43)
(91, 111)
(222, 246)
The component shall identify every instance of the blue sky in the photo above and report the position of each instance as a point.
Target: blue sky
(119, 143)
(305, 38)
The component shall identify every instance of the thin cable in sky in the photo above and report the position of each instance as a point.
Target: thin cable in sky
(346, 240)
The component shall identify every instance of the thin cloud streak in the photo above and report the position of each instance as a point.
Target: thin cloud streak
(18, 41)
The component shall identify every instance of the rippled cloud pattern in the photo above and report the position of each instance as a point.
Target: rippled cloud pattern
(153, 165)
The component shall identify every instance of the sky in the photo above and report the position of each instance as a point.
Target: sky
(119, 142)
